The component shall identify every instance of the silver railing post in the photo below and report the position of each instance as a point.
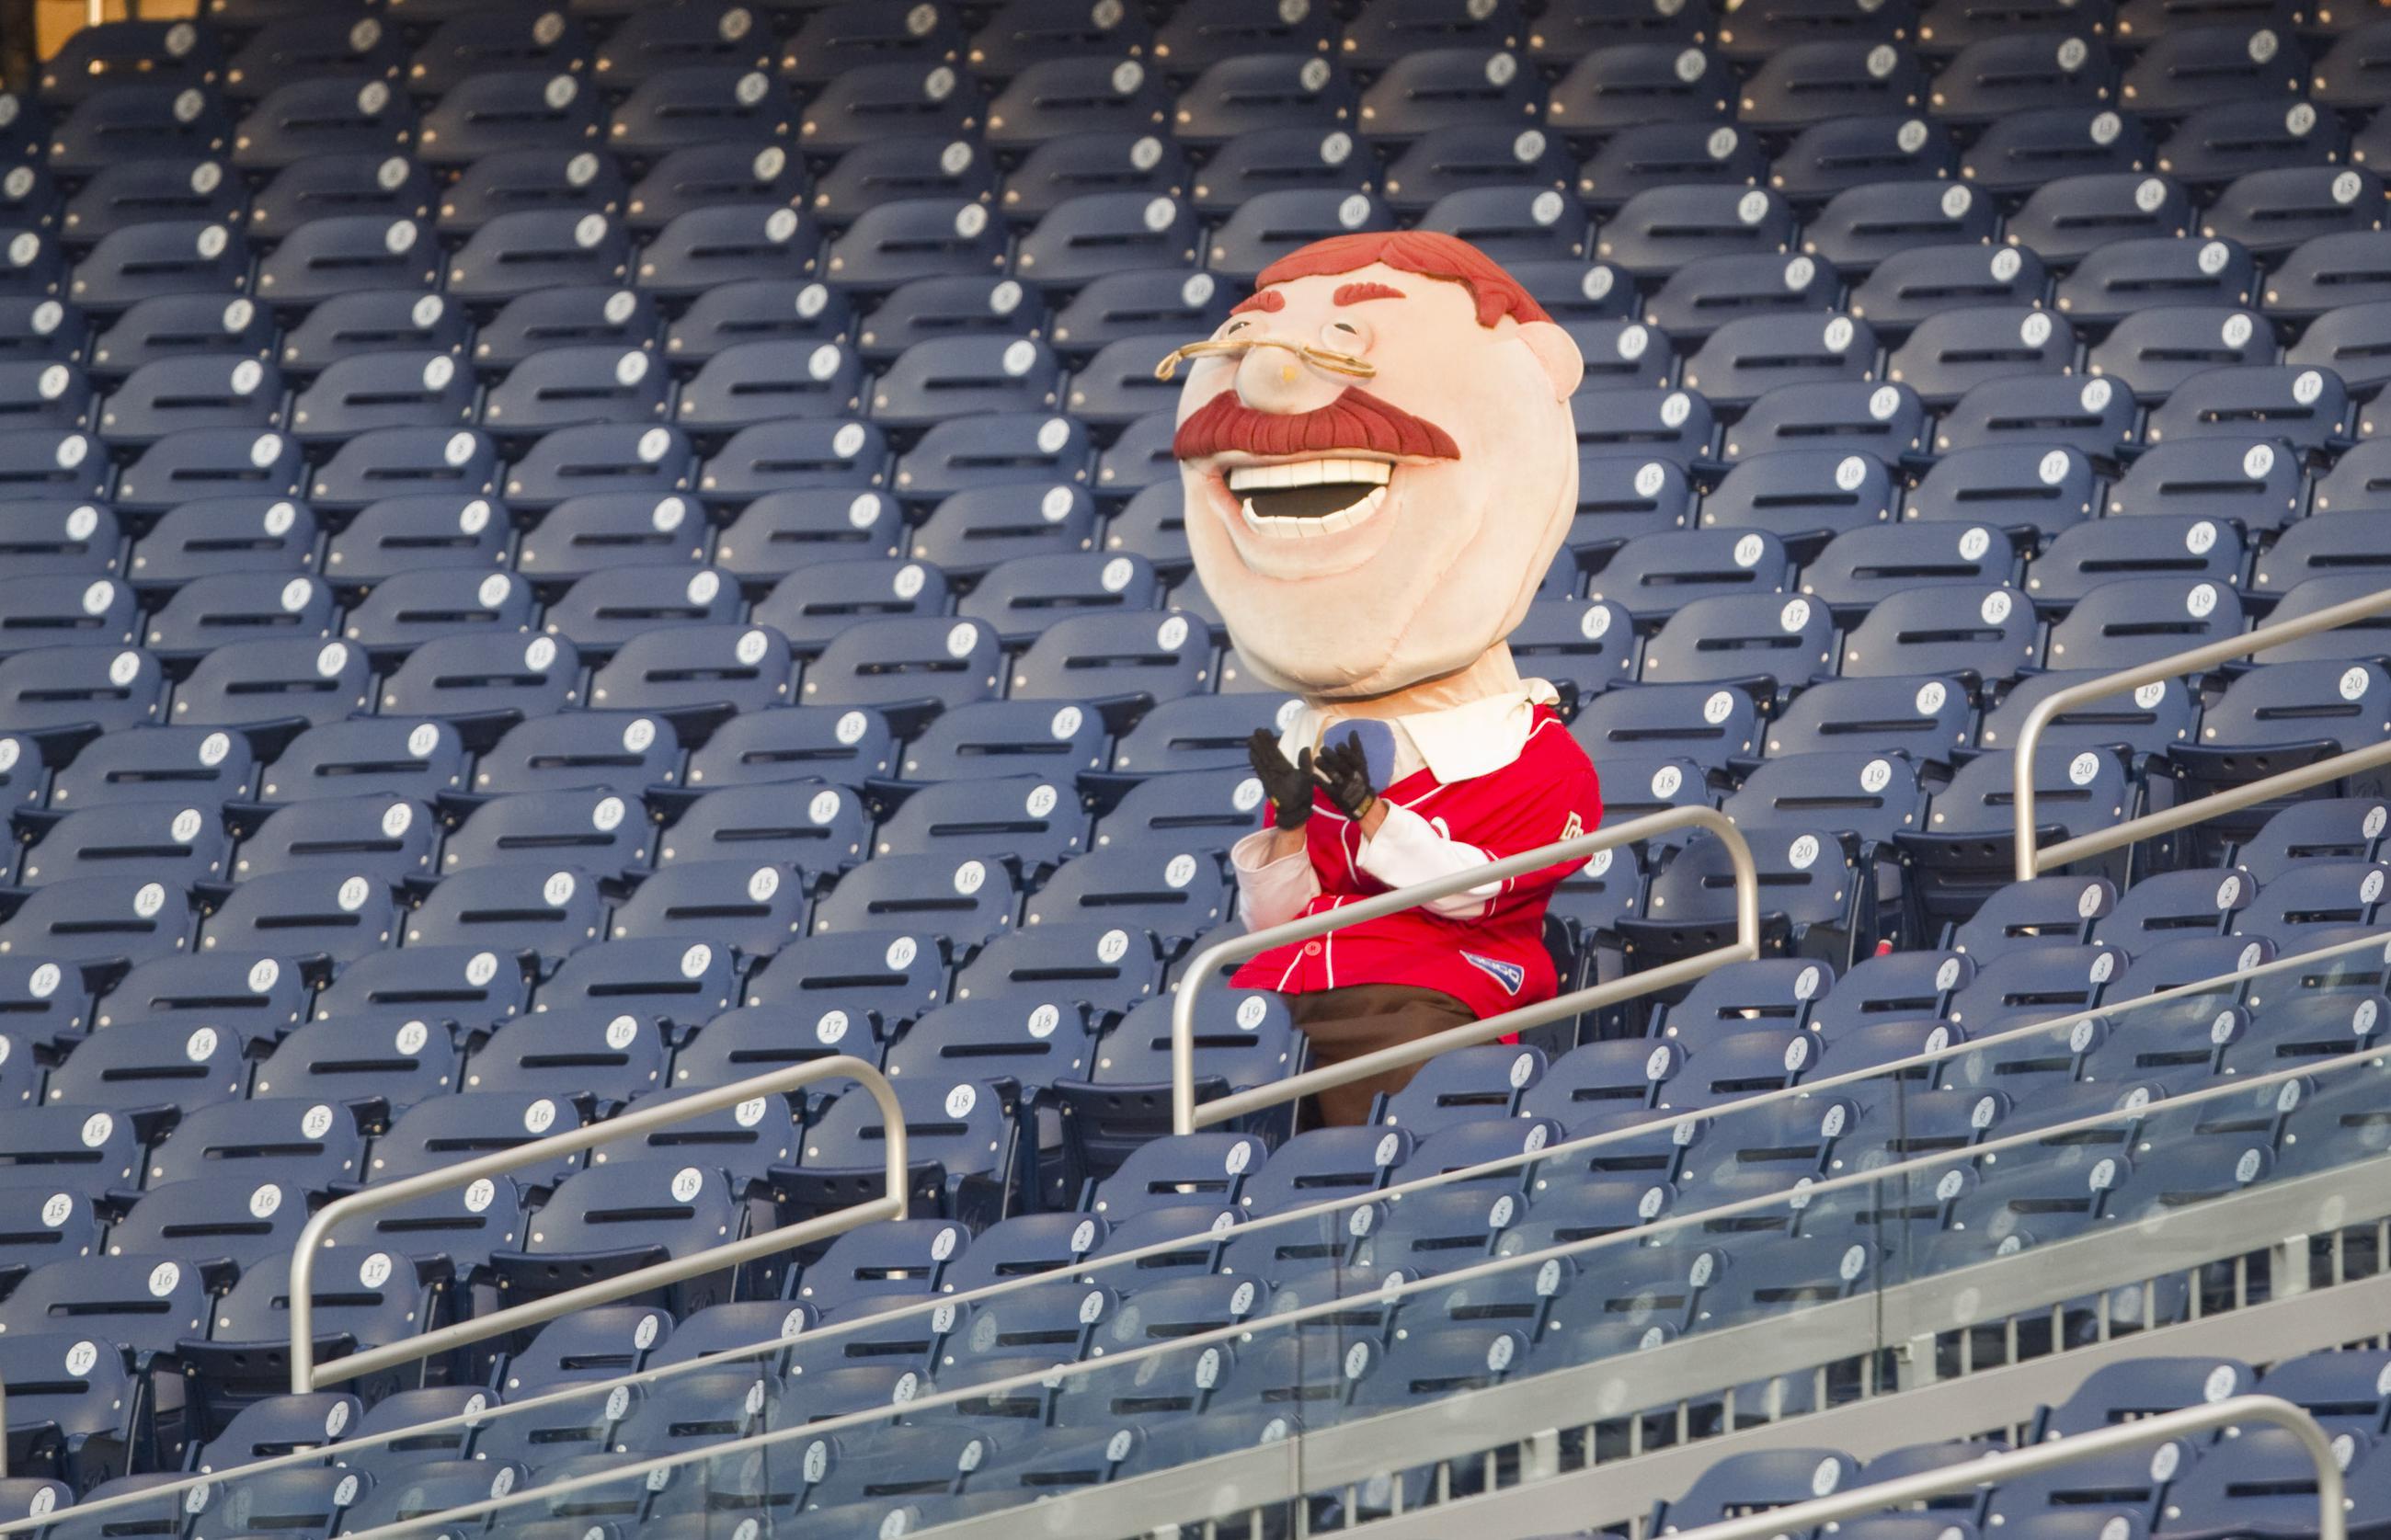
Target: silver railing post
(307, 1375)
(2032, 863)
(1185, 1117)
(2332, 1522)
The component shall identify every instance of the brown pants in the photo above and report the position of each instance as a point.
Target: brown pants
(1360, 1019)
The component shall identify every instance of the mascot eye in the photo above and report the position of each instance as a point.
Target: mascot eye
(1345, 336)
(1234, 326)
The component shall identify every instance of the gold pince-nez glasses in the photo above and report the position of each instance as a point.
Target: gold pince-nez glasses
(1326, 358)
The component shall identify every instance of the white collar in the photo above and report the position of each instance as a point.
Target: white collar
(1457, 744)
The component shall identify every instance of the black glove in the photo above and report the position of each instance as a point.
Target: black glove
(1344, 773)
(1288, 787)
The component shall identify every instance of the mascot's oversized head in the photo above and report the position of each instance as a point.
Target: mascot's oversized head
(1380, 461)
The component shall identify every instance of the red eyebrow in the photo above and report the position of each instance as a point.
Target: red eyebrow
(1263, 299)
(1354, 293)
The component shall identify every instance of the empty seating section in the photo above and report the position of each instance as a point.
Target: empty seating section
(553, 558)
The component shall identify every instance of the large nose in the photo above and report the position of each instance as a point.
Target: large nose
(1273, 379)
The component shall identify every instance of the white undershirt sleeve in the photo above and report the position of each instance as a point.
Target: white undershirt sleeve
(1407, 849)
(1271, 893)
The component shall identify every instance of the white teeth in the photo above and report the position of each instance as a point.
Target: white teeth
(1358, 513)
(1304, 473)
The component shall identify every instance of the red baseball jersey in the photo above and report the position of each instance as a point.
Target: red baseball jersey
(1492, 961)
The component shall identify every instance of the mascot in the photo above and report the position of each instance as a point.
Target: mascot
(1379, 464)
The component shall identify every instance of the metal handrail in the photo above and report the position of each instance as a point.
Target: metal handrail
(307, 1375)
(2033, 863)
(1515, 1264)
(1187, 1117)
(2331, 1519)
(1663, 1123)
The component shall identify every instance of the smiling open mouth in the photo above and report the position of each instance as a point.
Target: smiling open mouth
(1309, 498)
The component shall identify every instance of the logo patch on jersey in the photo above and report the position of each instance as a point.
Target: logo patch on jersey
(1575, 826)
(1509, 975)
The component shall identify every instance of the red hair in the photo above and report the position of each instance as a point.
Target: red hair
(1430, 253)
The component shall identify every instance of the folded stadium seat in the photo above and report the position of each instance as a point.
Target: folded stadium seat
(1582, 647)
(211, 1226)
(372, 321)
(787, 454)
(230, 607)
(964, 903)
(832, 38)
(1819, 901)
(1623, 356)
(1470, 158)
(1268, 226)
(975, 530)
(527, 249)
(507, 113)
(724, 243)
(2121, 277)
(483, 683)
(1118, 387)
(38, 611)
(1123, 664)
(1919, 290)
(360, 183)
(1752, 354)
(199, 391)
(1675, 426)
(357, 758)
(302, 1143)
(2279, 714)
(1706, 293)
(193, 194)
(1005, 449)
(2215, 144)
(1111, 968)
(902, 241)
(136, 123)
(2021, 151)
(1136, 304)
(153, 1073)
(384, 839)
(74, 1146)
(1804, 497)
(882, 102)
(1810, 83)
(1154, 524)
(1963, 852)
(414, 607)
(843, 747)
(2181, 69)
(383, 390)
(939, 308)
(181, 326)
(1864, 792)
(193, 762)
(2268, 1477)
(608, 608)
(985, 741)
(2327, 272)
(761, 821)
(755, 1040)
(811, 606)
(756, 909)
(2332, 827)
(753, 310)
(1652, 577)
(2255, 484)
(433, 1484)
(713, 175)
(697, 675)
(948, 377)
(626, 752)
(37, 266)
(904, 166)
(141, 1305)
(1927, 720)
(611, 1220)
(1862, 567)
(2357, 639)
(574, 316)
(1990, 77)
(1175, 893)
(1053, 98)
(2128, 622)
(2066, 220)
(33, 327)
(337, 254)
(1085, 238)
(1272, 160)
(2093, 418)
(466, 986)
(1634, 84)
(2273, 211)
(2301, 407)
(703, 104)
(2349, 342)
(1838, 154)
(679, 986)
(576, 386)
(271, 684)
(61, 538)
(1658, 231)
(961, 1144)
(619, 458)
(1620, 500)
(518, 910)
(2317, 547)
(2089, 556)
(186, 845)
(2153, 350)
(301, 46)
(318, 914)
(1444, 87)
(98, 57)
(1517, 223)
(323, 116)
(67, 694)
